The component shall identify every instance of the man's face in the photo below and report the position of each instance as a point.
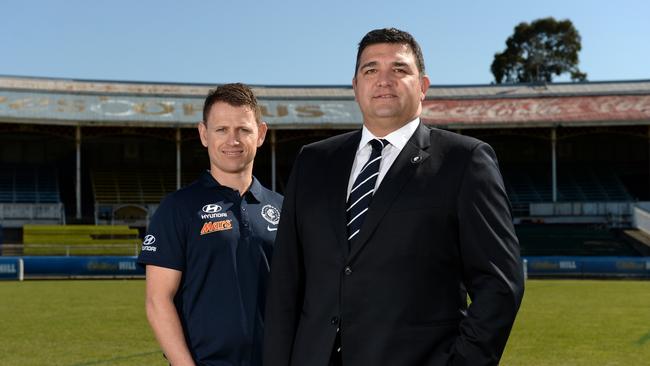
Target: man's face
(232, 137)
(388, 87)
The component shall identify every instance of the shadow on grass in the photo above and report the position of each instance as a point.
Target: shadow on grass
(116, 359)
(643, 339)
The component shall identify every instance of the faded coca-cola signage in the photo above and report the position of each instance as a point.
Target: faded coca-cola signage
(556, 110)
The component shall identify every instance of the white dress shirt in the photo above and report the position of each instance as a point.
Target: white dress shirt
(397, 140)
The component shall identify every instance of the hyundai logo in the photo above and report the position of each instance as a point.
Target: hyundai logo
(149, 239)
(211, 208)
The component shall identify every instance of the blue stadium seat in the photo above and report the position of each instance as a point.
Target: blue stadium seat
(29, 184)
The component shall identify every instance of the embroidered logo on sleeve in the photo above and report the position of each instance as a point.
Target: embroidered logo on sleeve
(147, 243)
(212, 226)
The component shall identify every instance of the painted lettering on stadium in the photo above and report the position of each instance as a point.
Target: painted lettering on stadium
(568, 265)
(165, 108)
(101, 266)
(543, 265)
(565, 109)
(126, 266)
(8, 268)
(626, 265)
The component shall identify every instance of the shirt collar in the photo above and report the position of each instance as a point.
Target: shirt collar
(397, 138)
(254, 189)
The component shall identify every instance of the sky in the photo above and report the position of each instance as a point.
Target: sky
(298, 42)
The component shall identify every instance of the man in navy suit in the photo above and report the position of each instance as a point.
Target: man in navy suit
(385, 231)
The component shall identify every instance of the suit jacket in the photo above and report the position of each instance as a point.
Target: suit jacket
(438, 228)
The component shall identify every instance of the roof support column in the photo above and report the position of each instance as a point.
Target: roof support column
(273, 167)
(77, 139)
(554, 162)
(178, 158)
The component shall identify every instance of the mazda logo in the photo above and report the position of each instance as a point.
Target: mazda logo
(149, 239)
(211, 208)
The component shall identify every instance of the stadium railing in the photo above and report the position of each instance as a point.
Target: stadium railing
(642, 219)
(80, 240)
(15, 215)
(69, 250)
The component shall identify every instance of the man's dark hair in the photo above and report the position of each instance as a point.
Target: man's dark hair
(391, 35)
(235, 94)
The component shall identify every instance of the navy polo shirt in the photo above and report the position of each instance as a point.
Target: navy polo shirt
(222, 243)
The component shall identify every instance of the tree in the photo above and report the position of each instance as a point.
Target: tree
(537, 51)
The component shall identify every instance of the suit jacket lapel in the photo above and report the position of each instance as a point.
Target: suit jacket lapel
(403, 168)
(339, 177)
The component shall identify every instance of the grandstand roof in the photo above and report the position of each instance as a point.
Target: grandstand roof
(120, 103)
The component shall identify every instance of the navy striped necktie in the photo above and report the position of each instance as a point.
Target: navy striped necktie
(363, 189)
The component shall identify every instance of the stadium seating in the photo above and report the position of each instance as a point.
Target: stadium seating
(131, 186)
(572, 240)
(80, 240)
(527, 185)
(575, 183)
(29, 184)
(585, 183)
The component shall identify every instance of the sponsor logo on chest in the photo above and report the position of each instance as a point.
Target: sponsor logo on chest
(212, 211)
(213, 226)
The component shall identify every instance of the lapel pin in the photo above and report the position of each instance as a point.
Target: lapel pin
(416, 159)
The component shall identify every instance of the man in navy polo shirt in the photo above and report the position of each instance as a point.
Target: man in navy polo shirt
(208, 247)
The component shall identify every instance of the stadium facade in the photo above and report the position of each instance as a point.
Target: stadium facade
(106, 152)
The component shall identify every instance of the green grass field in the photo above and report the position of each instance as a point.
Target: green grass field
(79, 323)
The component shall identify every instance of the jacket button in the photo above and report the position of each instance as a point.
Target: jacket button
(334, 320)
(347, 270)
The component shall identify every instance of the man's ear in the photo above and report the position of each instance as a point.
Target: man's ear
(203, 129)
(261, 133)
(424, 84)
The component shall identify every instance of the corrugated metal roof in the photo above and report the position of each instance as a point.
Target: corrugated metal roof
(638, 87)
(164, 89)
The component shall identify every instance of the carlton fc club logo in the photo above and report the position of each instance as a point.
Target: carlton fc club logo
(271, 214)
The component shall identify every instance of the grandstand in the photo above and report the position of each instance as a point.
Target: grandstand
(575, 157)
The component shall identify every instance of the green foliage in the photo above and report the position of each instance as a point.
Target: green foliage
(102, 322)
(537, 51)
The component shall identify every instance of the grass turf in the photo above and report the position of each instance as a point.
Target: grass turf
(75, 323)
(84, 323)
(581, 322)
